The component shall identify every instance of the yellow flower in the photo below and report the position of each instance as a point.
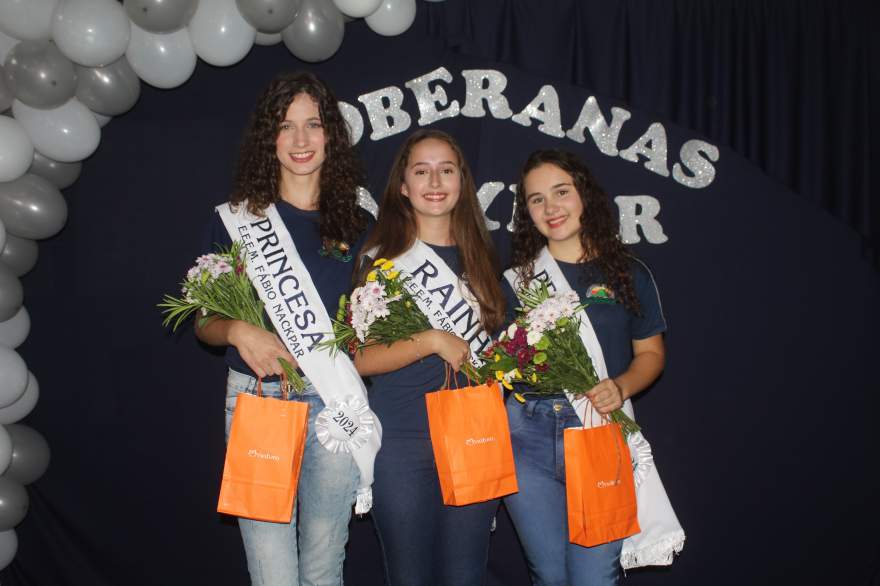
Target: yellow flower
(499, 374)
(392, 274)
(387, 265)
(497, 357)
(519, 397)
(371, 276)
(517, 373)
(534, 377)
(380, 261)
(507, 385)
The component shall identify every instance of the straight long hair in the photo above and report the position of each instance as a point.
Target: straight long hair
(396, 228)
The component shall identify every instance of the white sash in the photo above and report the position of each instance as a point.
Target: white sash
(301, 320)
(661, 534)
(445, 300)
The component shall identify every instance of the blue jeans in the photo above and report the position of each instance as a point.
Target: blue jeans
(425, 542)
(538, 510)
(319, 525)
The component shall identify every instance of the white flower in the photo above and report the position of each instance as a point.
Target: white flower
(533, 337)
(511, 331)
(544, 316)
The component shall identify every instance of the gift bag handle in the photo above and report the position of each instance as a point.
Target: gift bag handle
(284, 385)
(588, 416)
(451, 376)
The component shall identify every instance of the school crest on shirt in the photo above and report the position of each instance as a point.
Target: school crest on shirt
(336, 249)
(600, 293)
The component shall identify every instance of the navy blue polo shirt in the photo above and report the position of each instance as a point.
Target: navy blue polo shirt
(398, 397)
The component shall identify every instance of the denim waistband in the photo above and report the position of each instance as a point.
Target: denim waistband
(533, 396)
(250, 383)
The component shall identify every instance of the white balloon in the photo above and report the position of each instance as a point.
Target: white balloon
(15, 330)
(220, 34)
(14, 148)
(91, 32)
(8, 547)
(24, 405)
(13, 376)
(67, 134)
(29, 20)
(6, 45)
(162, 60)
(357, 8)
(392, 17)
(267, 39)
(5, 449)
(101, 119)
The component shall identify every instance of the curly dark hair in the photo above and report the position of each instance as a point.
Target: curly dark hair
(599, 233)
(259, 171)
(396, 229)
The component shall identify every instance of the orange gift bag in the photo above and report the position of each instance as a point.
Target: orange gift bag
(471, 441)
(263, 458)
(599, 486)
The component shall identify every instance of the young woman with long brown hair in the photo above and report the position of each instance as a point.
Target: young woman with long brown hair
(431, 225)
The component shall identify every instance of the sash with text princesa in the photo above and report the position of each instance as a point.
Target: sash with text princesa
(293, 304)
(661, 536)
(445, 299)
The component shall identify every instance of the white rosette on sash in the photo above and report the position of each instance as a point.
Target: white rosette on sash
(346, 424)
(661, 535)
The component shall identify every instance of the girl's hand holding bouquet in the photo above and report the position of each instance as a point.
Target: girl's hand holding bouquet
(543, 348)
(218, 287)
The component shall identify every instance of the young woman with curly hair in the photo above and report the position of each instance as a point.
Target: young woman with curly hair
(297, 161)
(430, 224)
(564, 231)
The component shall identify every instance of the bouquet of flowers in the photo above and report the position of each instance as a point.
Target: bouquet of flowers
(381, 311)
(218, 284)
(543, 348)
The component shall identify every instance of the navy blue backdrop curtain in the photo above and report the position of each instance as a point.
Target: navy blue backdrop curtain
(762, 424)
(786, 84)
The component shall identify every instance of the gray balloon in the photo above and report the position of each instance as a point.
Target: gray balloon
(268, 16)
(31, 207)
(60, 175)
(316, 32)
(109, 90)
(39, 74)
(7, 94)
(13, 502)
(30, 454)
(19, 254)
(8, 547)
(161, 16)
(11, 293)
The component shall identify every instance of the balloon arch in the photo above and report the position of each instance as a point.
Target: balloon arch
(66, 68)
